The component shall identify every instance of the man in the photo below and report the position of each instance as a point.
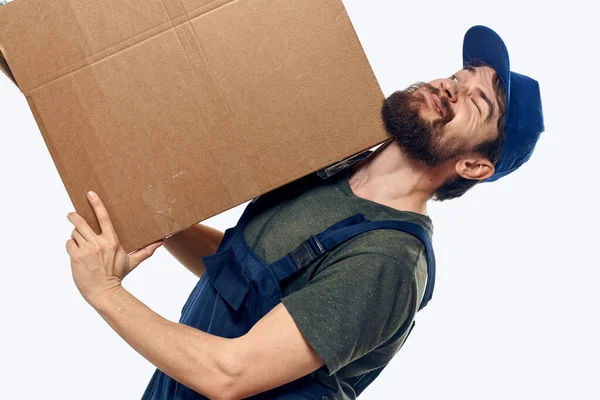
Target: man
(326, 329)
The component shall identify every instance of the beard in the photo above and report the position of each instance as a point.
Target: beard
(419, 139)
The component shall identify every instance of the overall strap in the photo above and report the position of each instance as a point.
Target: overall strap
(317, 245)
(246, 215)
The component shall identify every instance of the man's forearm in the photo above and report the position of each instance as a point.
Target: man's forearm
(191, 244)
(190, 356)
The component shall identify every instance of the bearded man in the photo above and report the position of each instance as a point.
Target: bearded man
(316, 288)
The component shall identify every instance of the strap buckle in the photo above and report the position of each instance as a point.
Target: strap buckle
(306, 252)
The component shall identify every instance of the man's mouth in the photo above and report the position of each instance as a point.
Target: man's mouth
(437, 105)
(433, 102)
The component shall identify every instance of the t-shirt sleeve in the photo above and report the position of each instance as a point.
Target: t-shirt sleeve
(353, 305)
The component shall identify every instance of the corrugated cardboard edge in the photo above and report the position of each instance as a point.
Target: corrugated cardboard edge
(5, 68)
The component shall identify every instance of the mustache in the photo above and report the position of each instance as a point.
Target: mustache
(447, 110)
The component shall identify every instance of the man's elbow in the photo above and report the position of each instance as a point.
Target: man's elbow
(222, 388)
(226, 385)
(224, 392)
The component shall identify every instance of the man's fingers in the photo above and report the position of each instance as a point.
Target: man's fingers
(82, 226)
(106, 225)
(71, 246)
(77, 237)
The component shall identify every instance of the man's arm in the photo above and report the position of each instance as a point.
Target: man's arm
(190, 245)
(273, 353)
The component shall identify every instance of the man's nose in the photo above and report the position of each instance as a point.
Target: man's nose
(449, 88)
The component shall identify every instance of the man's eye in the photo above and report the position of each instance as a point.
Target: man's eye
(453, 77)
(476, 105)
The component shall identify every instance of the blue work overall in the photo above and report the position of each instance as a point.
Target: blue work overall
(239, 288)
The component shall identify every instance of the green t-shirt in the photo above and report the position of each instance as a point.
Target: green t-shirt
(351, 301)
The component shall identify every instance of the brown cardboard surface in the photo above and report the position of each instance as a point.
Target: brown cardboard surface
(174, 111)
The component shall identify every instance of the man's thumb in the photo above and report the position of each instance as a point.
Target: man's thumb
(146, 252)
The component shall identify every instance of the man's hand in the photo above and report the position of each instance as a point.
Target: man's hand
(98, 262)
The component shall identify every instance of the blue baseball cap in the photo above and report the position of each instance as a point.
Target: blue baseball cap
(524, 115)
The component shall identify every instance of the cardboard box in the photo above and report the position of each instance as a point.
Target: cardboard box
(174, 111)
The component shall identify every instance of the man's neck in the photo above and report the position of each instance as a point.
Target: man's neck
(388, 177)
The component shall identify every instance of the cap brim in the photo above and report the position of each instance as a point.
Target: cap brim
(482, 43)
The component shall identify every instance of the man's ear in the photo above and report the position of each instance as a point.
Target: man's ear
(477, 168)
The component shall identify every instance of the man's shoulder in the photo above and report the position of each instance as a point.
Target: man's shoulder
(399, 245)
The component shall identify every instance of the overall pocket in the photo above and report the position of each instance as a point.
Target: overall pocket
(227, 277)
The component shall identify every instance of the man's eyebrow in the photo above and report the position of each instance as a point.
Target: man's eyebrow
(470, 69)
(489, 103)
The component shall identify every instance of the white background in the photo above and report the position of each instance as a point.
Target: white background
(514, 310)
